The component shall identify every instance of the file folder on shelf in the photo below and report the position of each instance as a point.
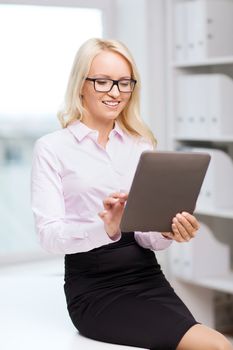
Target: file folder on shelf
(182, 106)
(220, 104)
(180, 32)
(204, 106)
(191, 106)
(217, 188)
(207, 29)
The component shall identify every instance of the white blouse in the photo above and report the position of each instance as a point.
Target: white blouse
(71, 175)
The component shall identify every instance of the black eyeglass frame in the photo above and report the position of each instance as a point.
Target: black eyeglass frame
(114, 82)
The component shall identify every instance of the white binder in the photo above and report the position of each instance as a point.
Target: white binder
(197, 108)
(207, 26)
(204, 106)
(191, 106)
(182, 105)
(191, 109)
(191, 20)
(220, 105)
(217, 188)
(202, 116)
(180, 25)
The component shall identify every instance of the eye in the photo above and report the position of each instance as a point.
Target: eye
(124, 83)
(102, 81)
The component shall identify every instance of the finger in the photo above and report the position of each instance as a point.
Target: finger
(123, 198)
(118, 194)
(102, 214)
(115, 194)
(176, 234)
(180, 230)
(186, 224)
(191, 218)
(110, 201)
(122, 195)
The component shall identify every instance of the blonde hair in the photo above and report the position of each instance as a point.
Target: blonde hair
(129, 119)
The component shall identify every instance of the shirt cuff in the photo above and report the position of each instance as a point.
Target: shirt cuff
(93, 232)
(152, 240)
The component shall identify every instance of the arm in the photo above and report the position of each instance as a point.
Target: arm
(152, 240)
(184, 225)
(58, 233)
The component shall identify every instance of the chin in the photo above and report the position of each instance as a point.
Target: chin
(111, 116)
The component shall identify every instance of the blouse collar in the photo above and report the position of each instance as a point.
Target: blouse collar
(81, 130)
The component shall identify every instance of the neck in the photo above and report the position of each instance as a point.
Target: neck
(103, 127)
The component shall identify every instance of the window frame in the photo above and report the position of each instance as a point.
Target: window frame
(106, 6)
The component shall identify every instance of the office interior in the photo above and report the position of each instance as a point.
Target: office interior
(184, 52)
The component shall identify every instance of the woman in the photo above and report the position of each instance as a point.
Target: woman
(115, 289)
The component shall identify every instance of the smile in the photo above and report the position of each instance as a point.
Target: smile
(111, 103)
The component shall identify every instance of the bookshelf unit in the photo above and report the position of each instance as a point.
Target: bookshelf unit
(199, 292)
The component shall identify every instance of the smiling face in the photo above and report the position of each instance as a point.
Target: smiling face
(105, 106)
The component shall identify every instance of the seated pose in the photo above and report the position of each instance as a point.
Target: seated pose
(115, 289)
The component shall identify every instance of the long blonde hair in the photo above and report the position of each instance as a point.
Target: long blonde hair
(129, 119)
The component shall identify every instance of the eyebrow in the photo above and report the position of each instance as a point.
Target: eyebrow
(109, 77)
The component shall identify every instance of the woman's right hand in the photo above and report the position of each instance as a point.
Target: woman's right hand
(112, 213)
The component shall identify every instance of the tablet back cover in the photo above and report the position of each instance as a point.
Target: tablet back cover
(164, 184)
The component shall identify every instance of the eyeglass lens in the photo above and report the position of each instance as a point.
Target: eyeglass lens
(105, 85)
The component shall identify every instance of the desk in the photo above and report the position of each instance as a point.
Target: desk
(33, 310)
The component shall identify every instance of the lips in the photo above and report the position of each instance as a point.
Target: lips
(111, 103)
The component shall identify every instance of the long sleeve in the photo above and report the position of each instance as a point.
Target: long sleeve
(71, 176)
(57, 232)
(152, 240)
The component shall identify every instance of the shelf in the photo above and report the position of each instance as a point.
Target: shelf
(205, 139)
(207, 62)
(221, 283)
(217, 212)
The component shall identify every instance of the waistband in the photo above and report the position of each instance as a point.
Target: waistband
(110, 258)
(126, 238)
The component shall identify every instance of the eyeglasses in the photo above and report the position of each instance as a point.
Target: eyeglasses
(106, 85)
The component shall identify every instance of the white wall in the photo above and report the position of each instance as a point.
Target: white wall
(140, 24)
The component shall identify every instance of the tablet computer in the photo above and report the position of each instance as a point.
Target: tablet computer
(164, 184)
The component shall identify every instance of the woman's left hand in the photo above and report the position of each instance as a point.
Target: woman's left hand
(184, 227)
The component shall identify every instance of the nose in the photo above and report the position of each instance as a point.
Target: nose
(114, 92)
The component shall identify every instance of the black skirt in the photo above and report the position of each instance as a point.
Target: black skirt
(118, 294)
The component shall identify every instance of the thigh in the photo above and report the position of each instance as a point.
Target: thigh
(154, 319)
(200, 337)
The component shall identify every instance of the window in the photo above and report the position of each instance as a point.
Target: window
(38, 44)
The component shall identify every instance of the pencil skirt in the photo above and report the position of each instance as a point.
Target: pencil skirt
(118, 294)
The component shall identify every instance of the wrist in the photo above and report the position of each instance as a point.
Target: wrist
(164, 234)
(113, 234)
